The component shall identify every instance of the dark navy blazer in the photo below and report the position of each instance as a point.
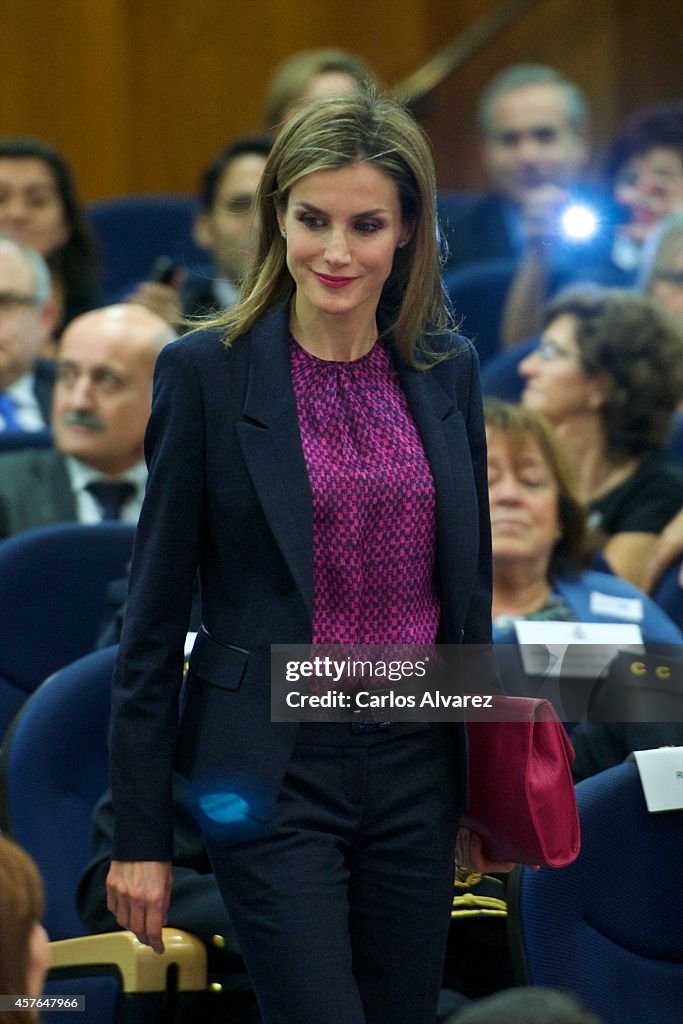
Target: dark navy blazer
(228, 491)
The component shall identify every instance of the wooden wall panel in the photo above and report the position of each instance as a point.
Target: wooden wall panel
(64, 77)
(139, 95)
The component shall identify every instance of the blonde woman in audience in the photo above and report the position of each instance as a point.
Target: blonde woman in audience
(23, 940)
(608, 374)
(539, 538)
(310, 75)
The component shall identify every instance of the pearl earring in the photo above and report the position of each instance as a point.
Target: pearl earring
(283, 232)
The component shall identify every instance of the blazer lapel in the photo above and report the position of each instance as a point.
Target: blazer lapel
(271, 445)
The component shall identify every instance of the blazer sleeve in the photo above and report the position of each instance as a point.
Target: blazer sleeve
(149, 668)
(478, 622)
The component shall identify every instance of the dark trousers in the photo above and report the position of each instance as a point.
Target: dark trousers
(342, 913)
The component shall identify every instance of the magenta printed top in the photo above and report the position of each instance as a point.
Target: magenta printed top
(374, 520)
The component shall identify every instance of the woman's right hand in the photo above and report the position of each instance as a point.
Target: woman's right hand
(138, 894)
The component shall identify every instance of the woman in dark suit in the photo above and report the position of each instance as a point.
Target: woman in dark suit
(319, 454)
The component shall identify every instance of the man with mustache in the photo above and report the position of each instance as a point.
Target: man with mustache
(102, 401)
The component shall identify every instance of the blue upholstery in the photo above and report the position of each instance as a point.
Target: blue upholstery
(133, 231)
(609, 926)
(53, 582)
(54, 768)
(675, 445)
(477, 293)
(450, 204)
(14, 440)
(500, 377)
(669, 594)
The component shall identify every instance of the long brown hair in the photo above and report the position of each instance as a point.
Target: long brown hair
(21, 908)
(338, 132)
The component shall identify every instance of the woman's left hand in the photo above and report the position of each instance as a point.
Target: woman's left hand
(469, 855)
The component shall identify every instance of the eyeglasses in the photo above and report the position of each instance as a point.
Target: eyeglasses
(549, 350)
(10, 302)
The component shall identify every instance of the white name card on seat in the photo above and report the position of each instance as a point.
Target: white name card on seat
(661, 775)
(573, 649)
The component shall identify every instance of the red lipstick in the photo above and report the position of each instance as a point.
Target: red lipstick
(333, 282)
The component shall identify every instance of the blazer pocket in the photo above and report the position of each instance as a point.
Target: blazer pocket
(218, 663)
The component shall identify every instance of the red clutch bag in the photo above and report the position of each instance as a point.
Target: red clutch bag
(521, 793)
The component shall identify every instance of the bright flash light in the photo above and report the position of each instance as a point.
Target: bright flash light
(579, 223)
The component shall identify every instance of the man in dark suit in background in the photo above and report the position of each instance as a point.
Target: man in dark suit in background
(533, 124)
(27, 319)
(102, 402)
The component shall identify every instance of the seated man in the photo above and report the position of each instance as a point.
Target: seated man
(102, 402)
(533, 126)
(511, 242)
(225, 227)
(645, 171)
(27, 319)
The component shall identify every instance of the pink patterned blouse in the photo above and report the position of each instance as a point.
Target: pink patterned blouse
(374, 523)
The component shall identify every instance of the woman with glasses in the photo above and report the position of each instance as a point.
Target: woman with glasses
(608, 374)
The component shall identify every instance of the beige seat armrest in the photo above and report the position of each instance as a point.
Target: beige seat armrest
(142, 970)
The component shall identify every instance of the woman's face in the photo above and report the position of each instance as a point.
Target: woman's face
(650, 186)
(556, 384)
(31, 209)
(524, 500)
(343, 227)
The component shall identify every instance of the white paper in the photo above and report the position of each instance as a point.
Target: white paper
(579, 650)
(661, 774)
(630, 608)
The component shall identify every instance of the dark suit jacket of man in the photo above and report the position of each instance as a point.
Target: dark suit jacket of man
(228, 490)
(35, 490)
(479, 231)
(44, 372)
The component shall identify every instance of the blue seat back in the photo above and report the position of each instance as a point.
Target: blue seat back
(16, 440)
(669, 594)
(53, 583)
(609, 926)
(53, 769)
(132, 231)
(675, 445)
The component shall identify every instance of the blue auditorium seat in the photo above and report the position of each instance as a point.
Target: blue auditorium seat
(53, 583)
(608, 926)
(53, 769)
(132, 231)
